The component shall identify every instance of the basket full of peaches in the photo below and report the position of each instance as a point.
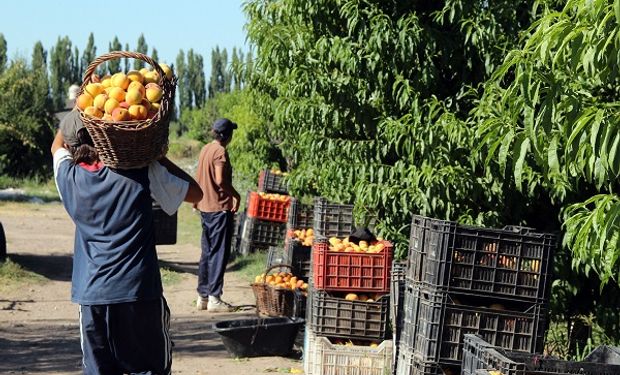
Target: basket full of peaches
(127, 113)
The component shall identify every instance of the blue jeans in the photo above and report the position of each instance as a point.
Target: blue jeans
(217, 230)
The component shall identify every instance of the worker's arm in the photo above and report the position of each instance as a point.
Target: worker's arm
(227, 187)
(194, 192)
(58, 142)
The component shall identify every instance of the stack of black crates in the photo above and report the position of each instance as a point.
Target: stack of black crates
(339, 332)
(461, 280)
(262, 226)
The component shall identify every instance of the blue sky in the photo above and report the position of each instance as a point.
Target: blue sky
(167, 25)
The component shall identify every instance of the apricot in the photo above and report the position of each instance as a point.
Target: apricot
(124, 104)
(83, 101)
(94, 89)
(120, 114)
(93, 112)
(167, 70)
(135, 76)
(151, 77)
(154, 93)
(100, 101)
(107, 117)
(117, 93)
(137, 112)
(120, 80)
(106, 81)
(110, 105)
(133, 96)
(143, 71)
(138, 86)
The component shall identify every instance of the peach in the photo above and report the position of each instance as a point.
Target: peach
(94, 89)
(137, 85)
(151, 77)
(120, 114)
(133, 96)
(137, 112)
(110, 105)
(167, 70)
(83, 101)
(117, 93)
(93, 112)
(135, 76)
(100, 100)
(154, 92)
(120, 80)
(106, 81)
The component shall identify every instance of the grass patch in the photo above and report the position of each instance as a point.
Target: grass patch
(189, 228)
(247, 267)
(44, 189)
(12, 276)
(169, 277)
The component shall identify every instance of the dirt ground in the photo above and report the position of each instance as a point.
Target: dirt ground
(39, 331)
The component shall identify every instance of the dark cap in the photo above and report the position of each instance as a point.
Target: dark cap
(223, 125)
(69, 126)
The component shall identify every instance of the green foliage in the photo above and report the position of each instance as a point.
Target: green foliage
(142, 48)
(251, 148)
(549, 119)
(61, 71)
(3, 53)
(89, 54)
(26, 129)
(114, 65)
(369, 100)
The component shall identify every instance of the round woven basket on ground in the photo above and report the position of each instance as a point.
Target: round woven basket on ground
(131, 144)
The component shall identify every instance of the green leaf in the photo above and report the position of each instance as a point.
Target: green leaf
(523, 148)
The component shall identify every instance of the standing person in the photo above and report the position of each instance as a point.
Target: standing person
(124, 317)
(217, 207)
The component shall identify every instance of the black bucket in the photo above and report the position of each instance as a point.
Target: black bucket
(259, 337)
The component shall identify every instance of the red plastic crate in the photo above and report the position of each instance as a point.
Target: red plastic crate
(266, 209)
(351, 272)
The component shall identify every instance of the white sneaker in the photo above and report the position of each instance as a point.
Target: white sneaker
(201, 303)
(217, 305)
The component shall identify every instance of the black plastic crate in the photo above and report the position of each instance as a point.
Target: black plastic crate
(300, 259)
(269, 182)
(512, 263)
(332, 220)
(338, 317)
(479, 354)
(263, 233)
(397, 295)
(408, 364)
(300, 216)
(436, 322)
(164, 226)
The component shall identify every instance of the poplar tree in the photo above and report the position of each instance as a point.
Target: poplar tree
(126, 59)
(114, 65)
(39, 68)
(143, 48)
(61, 71)
(3, 53)
(89, 54)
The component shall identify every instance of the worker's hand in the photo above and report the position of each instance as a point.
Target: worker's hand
(236, 201)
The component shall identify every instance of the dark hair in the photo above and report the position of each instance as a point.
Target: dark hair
(85, 152)
(222, 136)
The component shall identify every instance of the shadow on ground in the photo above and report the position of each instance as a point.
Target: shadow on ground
(53, 267)
(55, 345)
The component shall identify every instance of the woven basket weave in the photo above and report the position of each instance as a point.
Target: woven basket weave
(273, 301)
(131, 144)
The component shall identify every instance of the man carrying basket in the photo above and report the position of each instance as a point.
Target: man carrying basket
(124, 318)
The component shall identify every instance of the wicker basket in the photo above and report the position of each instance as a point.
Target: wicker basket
(273, 301)
(131, 144)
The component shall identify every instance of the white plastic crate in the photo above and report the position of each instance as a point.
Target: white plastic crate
(332, 359)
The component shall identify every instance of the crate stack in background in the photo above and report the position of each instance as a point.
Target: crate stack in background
(347, 321)
(469, 280)
(266, 214)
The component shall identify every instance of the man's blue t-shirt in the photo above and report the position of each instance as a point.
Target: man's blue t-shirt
(114, 257)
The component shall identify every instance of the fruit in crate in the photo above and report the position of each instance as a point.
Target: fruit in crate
(274, 197)
(278, 172)
(305, 236)
(344, 245)
(138, 92)
(372, 297)
(284, 280)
